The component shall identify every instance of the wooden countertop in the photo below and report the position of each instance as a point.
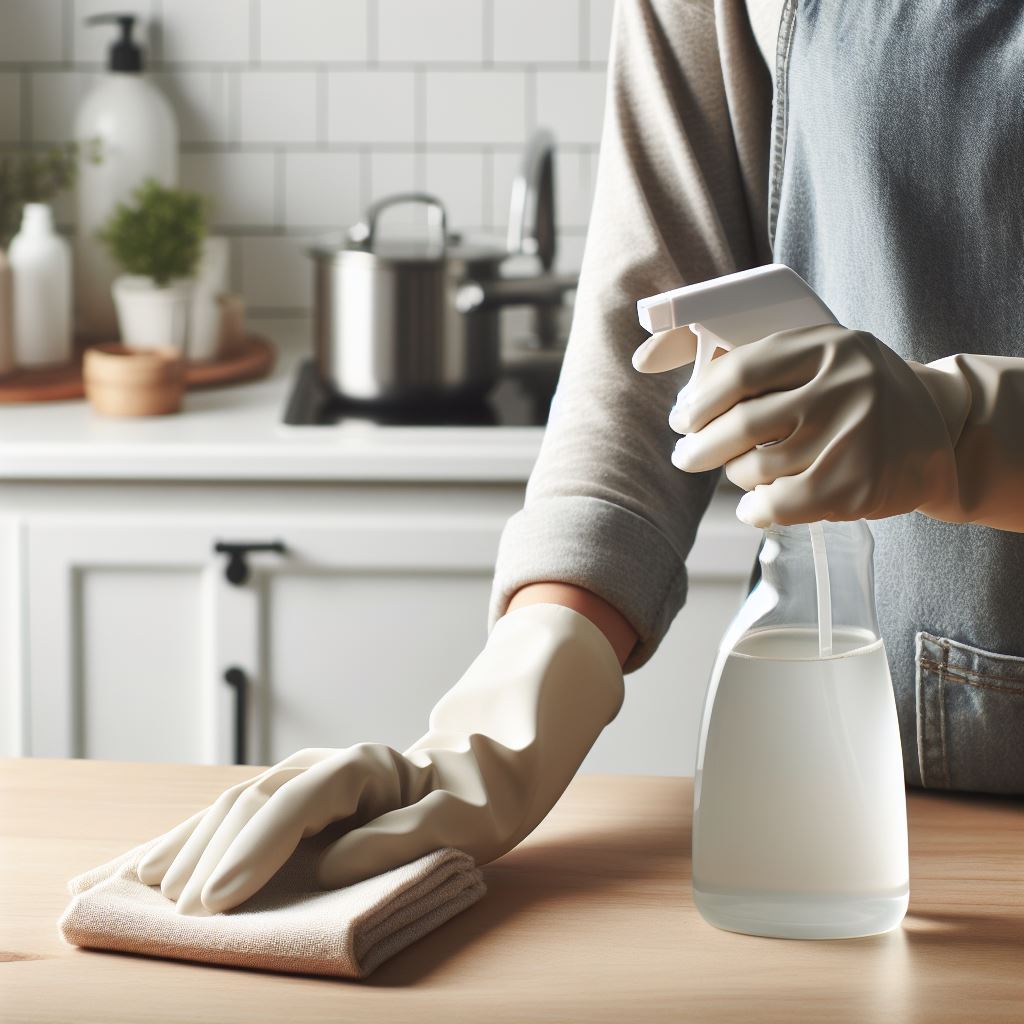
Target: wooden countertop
(590, 919)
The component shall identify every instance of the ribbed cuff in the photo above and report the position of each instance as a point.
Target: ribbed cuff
(604, 548)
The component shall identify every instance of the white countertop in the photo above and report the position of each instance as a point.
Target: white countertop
(235, 433)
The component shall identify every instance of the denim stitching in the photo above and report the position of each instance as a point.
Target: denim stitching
(942, 715)
(968, 675)
(780, 114)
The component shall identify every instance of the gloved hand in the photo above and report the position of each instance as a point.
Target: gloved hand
(502, 746)
(821, 423)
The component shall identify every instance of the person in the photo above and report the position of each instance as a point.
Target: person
(876, 150)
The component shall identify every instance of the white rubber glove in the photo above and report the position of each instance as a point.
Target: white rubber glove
(502, 746)
(821, 423)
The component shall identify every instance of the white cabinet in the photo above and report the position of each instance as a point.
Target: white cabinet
(350, 634)
(118, 622)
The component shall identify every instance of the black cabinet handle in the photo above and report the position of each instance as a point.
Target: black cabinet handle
(237, 569)
(238, 681)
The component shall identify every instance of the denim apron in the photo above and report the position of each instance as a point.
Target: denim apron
(897, 191)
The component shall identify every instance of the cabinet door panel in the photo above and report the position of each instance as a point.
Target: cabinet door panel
(139, 664)
(118, 630)
(357, 656)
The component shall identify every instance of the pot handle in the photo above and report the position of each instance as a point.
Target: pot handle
(365, 231)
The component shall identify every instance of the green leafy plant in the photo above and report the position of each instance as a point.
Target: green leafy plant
(33, 178)
(159, 234)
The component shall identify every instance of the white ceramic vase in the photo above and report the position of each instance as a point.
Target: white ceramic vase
(41, 266)
(150, 316)
(210, 285)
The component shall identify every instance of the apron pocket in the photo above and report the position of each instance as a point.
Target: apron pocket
(970, 717)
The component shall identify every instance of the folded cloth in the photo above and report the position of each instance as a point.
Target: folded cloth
(290, 925)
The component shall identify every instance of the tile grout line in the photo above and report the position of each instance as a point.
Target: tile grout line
(420, 127)
(322, 101)
(461, 66)
(280, 213)
(27, 132)
(356, 145)
(372, 33)
(584, 40)
(365, 176)
(487, 23)
(67, 31)
(487, 186)
(156, 32)
(530, 101)
(234, 101)
(255, 42)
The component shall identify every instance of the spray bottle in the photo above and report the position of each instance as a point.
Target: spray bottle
(799, 821)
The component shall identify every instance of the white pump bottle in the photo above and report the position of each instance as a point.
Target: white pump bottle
(127, 133)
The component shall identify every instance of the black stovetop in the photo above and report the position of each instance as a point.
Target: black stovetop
(521, 398)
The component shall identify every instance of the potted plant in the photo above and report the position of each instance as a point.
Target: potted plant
(156, 240)
(35, 272)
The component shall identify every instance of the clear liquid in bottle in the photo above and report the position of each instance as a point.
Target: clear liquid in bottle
(799, 826)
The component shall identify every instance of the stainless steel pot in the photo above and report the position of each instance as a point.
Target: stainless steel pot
(418, 320)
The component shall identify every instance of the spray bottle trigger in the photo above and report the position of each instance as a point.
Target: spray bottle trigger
(708, 343)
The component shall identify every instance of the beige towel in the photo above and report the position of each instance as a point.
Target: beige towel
(291, 925)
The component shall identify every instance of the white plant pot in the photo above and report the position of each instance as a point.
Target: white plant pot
(152, 317)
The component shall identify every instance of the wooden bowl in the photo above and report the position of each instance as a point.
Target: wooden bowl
(124, 380)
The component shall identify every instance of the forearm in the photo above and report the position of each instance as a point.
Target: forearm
(619, 633)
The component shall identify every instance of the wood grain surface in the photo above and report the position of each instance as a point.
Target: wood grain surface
(590, 919)
(251, 359)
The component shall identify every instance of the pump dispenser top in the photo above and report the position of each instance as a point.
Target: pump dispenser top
(125, 53)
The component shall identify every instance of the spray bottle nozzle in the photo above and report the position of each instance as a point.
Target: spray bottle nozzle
(125, 53)
(725, 313)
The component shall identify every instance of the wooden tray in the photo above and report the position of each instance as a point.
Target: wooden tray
(250, 360)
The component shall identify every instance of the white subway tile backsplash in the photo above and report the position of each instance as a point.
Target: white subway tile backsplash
(536, 30)
(31, 30)
(277, 106)
(571, 104)
(276, 272)
(242, 186)
(216, 31)
(55, 97)
(201, 103)
(10, 106)
(294, 114)
(323, 190)
(371, 106)
(457, 179)
(475, 107)
(313, 30)
(599, 28)
(430, 30)
(574, 188)
(91, 43)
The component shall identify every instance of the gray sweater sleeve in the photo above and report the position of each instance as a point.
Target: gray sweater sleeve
(678, 174)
